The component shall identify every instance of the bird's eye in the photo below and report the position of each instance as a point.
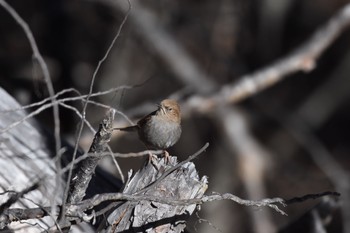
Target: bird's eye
(170, 109)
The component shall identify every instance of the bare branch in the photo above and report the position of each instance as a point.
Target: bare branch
(16, 195)
(78, 209)
(100, 198)
(323, 158)
(251, 160)
(81, 179)
(311, 196)
(302, 58)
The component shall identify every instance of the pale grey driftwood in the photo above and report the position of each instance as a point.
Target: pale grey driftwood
(151, 216)
(25, 159)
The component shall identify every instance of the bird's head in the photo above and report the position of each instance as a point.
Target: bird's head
(171, 109)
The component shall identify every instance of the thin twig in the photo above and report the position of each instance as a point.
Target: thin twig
(68, 99)
(41, 102)
(78, 209)
(76, 111)
(100, 198)
(116, 155)
(30, 115)
(311, 196)
(65, 197)
(200, 220)
(116, 164)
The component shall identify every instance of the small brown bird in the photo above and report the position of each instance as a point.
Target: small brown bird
(160, 129)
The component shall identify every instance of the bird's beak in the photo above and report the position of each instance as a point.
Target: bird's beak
(162, 109)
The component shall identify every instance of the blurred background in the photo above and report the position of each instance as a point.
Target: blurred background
(289, 140)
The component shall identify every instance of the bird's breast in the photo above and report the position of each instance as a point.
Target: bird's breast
(160, 133)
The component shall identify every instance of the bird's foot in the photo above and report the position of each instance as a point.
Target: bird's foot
(166, 157)
(152, 158)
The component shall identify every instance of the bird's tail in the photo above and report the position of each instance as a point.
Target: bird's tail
(132, 128)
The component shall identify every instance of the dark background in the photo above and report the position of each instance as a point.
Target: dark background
(227, 39)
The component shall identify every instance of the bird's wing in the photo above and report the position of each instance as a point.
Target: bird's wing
(145, 119)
